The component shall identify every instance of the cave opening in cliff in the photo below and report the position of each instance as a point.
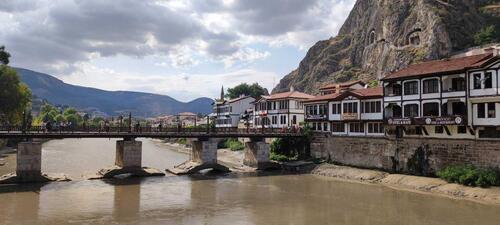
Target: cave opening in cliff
(414, 37)
(371, 38)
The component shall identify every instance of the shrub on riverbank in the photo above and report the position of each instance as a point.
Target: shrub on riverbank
(232, 143)
(281, 158)
(470, 176)
(182, 141)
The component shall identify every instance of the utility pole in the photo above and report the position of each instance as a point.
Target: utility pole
(129, 122)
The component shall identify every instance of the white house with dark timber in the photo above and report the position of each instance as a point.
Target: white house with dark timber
(280, 110)
(449, 98)
(227, 113)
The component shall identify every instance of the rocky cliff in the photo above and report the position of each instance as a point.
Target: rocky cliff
(380, 36)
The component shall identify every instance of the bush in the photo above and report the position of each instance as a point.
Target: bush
(234, 144)
(281, 158)
(182, 141)
(469, 175)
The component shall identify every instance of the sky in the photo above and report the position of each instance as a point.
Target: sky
(181, 48)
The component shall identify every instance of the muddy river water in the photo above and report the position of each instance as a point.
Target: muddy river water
(232, 199)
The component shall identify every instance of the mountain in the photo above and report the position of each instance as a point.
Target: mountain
(380, 36)
(111, 103)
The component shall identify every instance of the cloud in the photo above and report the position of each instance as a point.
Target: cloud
(184, 87)
(65, 37)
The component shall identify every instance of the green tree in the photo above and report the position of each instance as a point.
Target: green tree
(69, 111)
(4, 56)
(15, 96)
(486, 35)
(74, 119)
(59, 118)
(254, 90)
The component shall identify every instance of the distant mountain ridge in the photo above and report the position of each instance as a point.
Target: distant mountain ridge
(112, 103)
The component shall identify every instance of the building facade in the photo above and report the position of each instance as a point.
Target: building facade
(355, 111)
(280, 110)
(451, 98)
(227, 113)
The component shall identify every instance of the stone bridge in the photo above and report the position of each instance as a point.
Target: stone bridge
(128, 158)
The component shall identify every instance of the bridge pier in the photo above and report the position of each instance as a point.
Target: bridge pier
(128, 160)
(128, 154)
(29, 161)
(257, 154)
(203, 156)
(29, 166)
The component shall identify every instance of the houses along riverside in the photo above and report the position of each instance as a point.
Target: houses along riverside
(418, 120)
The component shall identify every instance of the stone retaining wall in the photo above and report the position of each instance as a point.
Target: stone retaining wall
(420, 156)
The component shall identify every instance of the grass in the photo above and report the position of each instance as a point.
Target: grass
(470, 176)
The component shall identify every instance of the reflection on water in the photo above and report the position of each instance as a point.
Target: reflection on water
(232, 199)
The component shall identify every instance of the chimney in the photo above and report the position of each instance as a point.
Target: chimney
(292, 89)
(495, 50)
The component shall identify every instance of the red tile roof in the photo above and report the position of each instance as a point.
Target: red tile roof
(369, 92)
(360, 93)
(237, 99)
(290, 94)
(440, 66)
(345, 84)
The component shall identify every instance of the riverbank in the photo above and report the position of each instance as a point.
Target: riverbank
(426, 185)
(7, 160)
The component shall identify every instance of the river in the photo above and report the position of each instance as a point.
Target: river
(266, 198)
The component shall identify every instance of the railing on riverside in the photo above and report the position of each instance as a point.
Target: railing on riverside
(144, 130)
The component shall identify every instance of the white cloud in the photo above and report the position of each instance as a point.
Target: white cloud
(184, 87)
(67, 36)
(245, 55)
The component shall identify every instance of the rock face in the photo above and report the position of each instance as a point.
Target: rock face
(380, 36)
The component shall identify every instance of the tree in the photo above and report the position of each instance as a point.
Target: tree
(4, 56)
(59, 118)
(69, 111)
(486, 35)
(254, 90)
(15, 96)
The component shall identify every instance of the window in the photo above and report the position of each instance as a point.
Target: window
(458, 84)
(488, 80)
(322, 110)
(486, 110)
(351, 107)
(356, 128)
(491, 110)
(462, 129)
(282, 119)
(371, 107)
(438, 129)
(274, 105)
(338, 127)
(411, 110)
(480, 110)
(431, 109)
(274, 120)
(411, 88)
(431, 86)
(325, 126)
(477, 81)
(458, 108)
(375, 128)
(294, 120)
(336, 108)
(393, 89)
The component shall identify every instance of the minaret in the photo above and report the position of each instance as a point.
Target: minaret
(222, 93)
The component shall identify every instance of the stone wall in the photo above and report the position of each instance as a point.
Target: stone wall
(420, 156)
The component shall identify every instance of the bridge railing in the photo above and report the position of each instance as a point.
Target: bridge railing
(144, 130)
